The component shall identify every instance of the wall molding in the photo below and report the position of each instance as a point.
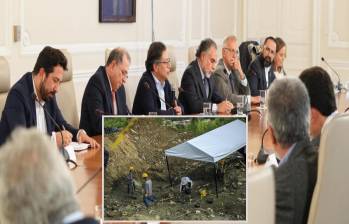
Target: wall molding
(333, 39)
(26, 48)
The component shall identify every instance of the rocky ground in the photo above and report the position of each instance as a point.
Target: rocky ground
(141, 145)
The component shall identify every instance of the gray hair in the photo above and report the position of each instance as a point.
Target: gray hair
(228, 39)
(36, 185)
(288, 110)
(117, 55)
(205, 46)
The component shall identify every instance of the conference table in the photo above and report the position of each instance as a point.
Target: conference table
(258, 124)
(87, 178)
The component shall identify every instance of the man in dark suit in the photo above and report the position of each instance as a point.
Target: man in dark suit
(322, 100)
(154, 93)
(31, 102)
(228, 78)
(260, 75)
(288, 122)
(105, 93)
(196, 85)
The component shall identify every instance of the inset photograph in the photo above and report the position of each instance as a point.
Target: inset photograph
(174, 168)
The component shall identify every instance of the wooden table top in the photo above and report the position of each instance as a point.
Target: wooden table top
(88, 178)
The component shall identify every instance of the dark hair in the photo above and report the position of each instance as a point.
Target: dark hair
(204, 46)
(49, 58)
(117, 55)
(269, 38)
(280, 43)
(154, 54)
(320, 89)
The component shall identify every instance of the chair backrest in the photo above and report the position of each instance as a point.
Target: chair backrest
(173, 77)
(261, 196)
(330, 202)
(66, 98)
(4, 82)
(248, 52)
(191, 53)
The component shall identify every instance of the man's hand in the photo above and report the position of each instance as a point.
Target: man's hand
(255, 100)
(225, 107)
(237, 66)
(178, 110)
(67, 138)
(83, 137)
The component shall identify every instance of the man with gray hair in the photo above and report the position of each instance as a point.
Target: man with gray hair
(105, 93)
(196, 86)
(288, 122)
(229, 79)
(35, 183)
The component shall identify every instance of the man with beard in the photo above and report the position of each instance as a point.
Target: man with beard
(31, 102)
(259, 73)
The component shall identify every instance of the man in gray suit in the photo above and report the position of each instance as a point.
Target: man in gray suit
(228, 78)
(288, 122)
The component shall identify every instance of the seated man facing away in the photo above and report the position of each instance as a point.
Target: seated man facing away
(288, 122)
(228, 78)
(196, 85)
(36, 185)
(154, 92)
(105, 92)
(260, 74)
(32, 102)
(322, 100)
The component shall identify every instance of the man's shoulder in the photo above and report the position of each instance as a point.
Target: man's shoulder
(21, 87)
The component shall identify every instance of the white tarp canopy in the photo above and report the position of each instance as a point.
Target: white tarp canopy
(213, 145)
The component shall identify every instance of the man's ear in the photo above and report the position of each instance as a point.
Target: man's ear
(42, 74)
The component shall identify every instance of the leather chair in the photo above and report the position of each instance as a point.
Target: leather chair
(191, 54)
(261, 196)
(66, 98)
(4, 82)
(330, 202)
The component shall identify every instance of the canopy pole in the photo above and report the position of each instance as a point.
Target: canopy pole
(168, 169)
(215, 178)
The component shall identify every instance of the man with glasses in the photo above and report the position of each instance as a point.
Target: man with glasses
(105, 92)
(259, 74)
(154, 93)
(196, 86)
(229, 79)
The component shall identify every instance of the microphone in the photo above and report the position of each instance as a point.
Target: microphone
(64, 152)
(262, 156)
(339, 85)
(147, 86)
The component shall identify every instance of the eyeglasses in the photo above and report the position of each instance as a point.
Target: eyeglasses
(166, 61)
(233, 51)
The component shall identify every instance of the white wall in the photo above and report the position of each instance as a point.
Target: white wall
(311, 28)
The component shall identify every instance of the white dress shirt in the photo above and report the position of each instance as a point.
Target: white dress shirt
(160, 87)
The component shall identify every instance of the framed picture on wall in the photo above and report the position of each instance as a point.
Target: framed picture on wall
(117, 11)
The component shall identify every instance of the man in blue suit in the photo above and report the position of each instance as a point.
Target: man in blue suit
(154, 93)
(105, 93)
(31, 102)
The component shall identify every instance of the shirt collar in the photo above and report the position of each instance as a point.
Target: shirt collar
(203, 75)
(111, 89)
(157, 82)
(226, 68)
(73, 217)
(286, 157)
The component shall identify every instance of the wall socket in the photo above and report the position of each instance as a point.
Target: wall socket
(16, 33)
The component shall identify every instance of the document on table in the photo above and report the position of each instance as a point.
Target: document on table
(79, 146)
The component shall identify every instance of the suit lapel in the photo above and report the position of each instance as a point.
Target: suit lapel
(198, 77)
(107, 91)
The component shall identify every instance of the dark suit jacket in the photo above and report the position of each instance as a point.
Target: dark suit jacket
(256, 76)
(19, 110)
(193, 95)
(86, 221)
(295, 180)
(221, 82)
(97, 101)
(147, 99)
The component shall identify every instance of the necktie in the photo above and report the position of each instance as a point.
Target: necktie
(114, 103)
(207, 88)
(231, 80)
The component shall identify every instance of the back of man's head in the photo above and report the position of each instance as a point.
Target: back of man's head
(288, 110)
(205, 46)
(35, 186)
(320, 89)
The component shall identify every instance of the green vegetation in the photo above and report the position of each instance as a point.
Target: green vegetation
(113, 122)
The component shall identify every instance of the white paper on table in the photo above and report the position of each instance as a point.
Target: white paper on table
(271, 160)
(71, 152)
(79, 146)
